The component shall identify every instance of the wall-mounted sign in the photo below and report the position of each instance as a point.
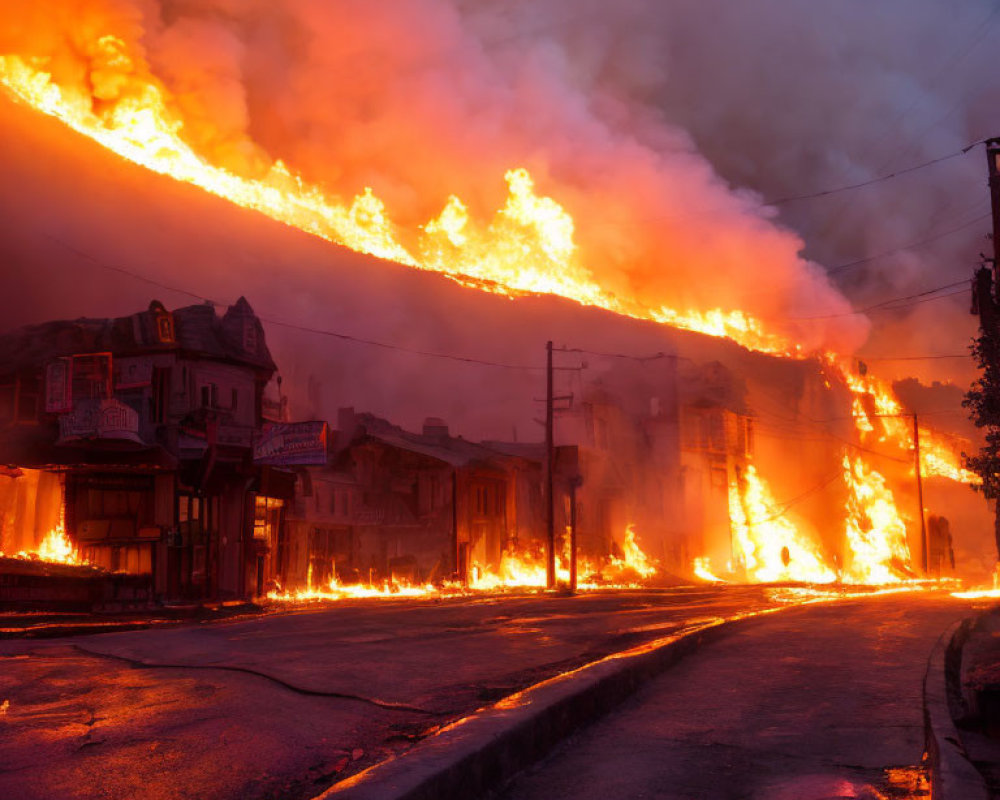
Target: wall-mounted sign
(133, 373)
(292, 443)
(58, 386)
(116, 420)
(100, 419)
(234, 436)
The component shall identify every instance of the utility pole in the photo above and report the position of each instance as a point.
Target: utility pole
(920, 494)
(573, 484)
(550, 519)
(993, 159)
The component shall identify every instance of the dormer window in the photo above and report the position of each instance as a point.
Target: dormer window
(249, 335)
(163, 323)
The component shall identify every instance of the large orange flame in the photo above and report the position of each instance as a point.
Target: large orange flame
(876, 533)
(55, 548)
(766, 544)
(519, 568)
(528, 247)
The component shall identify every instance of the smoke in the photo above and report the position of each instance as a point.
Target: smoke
(662, 128)
(422, 99)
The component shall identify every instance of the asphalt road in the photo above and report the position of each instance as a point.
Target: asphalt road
(815, 703)
(284, 705)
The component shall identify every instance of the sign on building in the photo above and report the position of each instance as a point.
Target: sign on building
(99, 419)
(291, 443)
(133, 373)
(58, 386)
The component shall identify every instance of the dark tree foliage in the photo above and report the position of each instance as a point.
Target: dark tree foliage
(983, 399)
(983, 402)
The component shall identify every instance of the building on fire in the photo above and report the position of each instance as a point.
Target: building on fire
(133, 438)
(391, 504)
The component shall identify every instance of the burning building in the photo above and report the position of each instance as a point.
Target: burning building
(408, 508)
(133, 438)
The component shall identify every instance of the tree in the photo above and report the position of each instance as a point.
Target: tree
(983, 399)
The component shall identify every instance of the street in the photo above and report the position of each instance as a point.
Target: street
(293, 702)
(818, 702)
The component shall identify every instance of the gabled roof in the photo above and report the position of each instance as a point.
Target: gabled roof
(451, 450)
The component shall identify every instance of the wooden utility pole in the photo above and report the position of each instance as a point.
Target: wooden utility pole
(550, 517)
(920, 493)
(573, 484)
(993, 159)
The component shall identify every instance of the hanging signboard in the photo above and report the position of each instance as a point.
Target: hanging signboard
(291, 443)
(99, 419)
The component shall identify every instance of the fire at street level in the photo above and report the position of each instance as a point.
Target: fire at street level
(438, 303)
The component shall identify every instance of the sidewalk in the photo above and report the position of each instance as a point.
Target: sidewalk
(973, 675)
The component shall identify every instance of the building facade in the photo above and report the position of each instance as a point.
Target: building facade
(138, 433)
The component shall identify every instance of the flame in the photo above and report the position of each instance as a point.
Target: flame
(518, 569)
(876, 533)
(633, 558)
(702, 568)
(767, 545)
(55, 548)
(528, 247)
(893, 424)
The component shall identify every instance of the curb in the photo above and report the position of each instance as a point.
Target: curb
(953, 777)
(476, 754)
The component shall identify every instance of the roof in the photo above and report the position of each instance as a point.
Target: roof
(452, 450)
(237, 336)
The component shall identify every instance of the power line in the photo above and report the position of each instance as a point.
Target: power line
(924, 293)
(910, 246)
(887, 305)
(891, 304)
(293, 326)
(878, 179)
(628, 356)
(915, 358)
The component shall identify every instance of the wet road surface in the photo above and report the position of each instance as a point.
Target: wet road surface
(285, 705)
(815, 703)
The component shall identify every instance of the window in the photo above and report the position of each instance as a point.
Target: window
(91, 377)
(164, 322)
(160, 399)
(209, 396)
(234, 396)
(267, 518)
(716, 432)
(249, 336)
